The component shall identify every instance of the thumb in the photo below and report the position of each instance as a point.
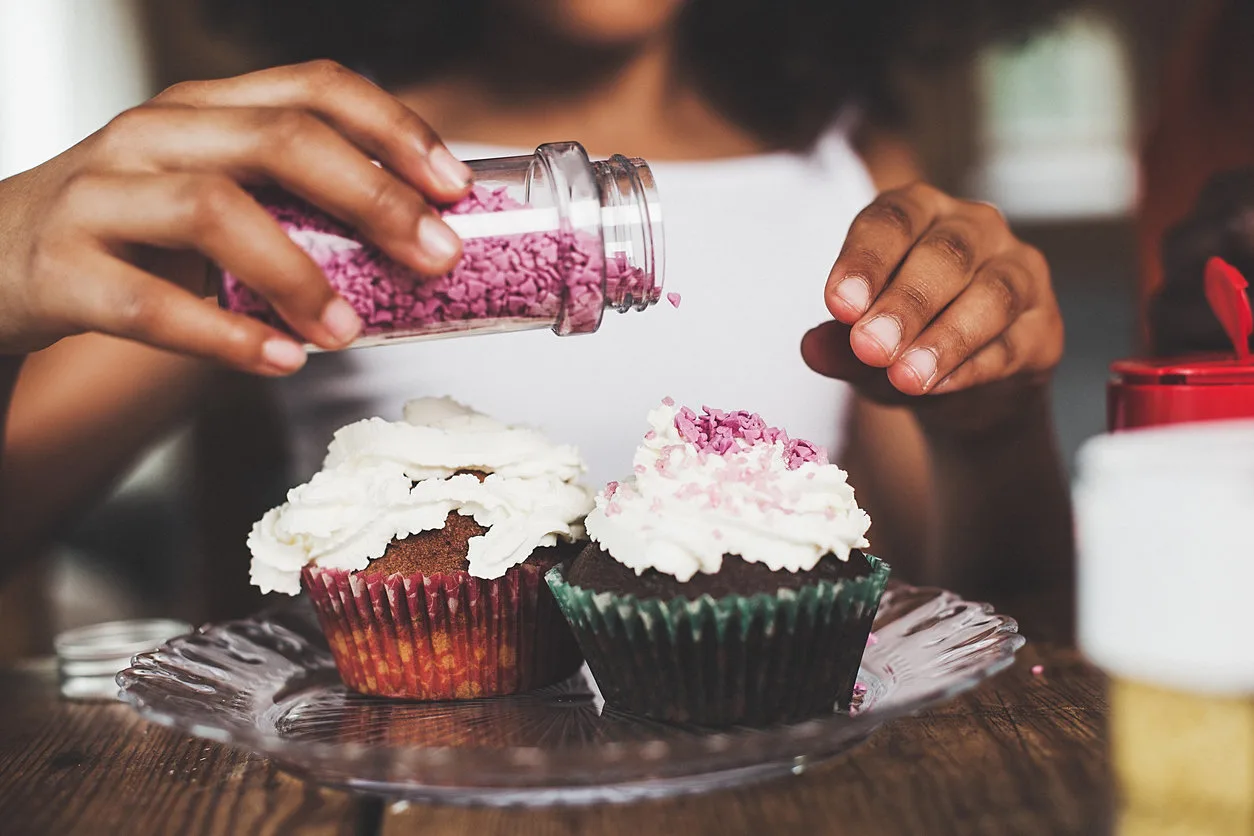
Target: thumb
(826, 350)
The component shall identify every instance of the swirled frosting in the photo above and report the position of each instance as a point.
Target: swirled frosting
(385, 480)
(723, 483)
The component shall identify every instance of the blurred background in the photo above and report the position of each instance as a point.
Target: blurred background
(1048, 128)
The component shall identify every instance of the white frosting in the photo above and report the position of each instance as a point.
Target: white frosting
(386, 480)
(685, 508)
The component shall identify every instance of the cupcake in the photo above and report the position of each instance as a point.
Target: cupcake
(423, 544)
(725, 582)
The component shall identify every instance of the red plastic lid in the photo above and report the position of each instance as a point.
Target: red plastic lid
(1225, 291)
(1197, 370)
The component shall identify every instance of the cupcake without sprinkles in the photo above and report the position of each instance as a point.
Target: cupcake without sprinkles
(726, 582)
(423, 543)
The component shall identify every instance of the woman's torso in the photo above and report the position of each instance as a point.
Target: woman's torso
(749, 243)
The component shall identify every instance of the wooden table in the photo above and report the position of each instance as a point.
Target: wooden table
(1023, 754)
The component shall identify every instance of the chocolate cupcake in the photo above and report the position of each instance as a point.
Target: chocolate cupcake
(726, 582)
(423, 545)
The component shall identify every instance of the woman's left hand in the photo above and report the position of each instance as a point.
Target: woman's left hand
(939, 292)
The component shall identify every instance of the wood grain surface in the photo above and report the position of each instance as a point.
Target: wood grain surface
(1022, 754)
(69, 768)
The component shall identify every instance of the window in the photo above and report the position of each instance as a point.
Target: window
(1057, 124)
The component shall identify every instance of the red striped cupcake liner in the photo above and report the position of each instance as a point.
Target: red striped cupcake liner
(448, 636)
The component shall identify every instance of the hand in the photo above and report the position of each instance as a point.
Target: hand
(84, 236)
(1221, 224)
(941, 294)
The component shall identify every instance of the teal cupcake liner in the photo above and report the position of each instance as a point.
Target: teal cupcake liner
(736, 660)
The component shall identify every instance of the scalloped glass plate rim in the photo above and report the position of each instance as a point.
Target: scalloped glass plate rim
(575, 775)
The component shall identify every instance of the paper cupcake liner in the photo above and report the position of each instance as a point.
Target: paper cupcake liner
(443, 636)
(736, 660)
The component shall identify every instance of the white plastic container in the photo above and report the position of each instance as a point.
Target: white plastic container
(1165, 529)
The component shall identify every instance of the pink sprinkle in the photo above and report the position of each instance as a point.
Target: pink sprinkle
(674, 299)
(610, 490)
(718, 535)
(721, 433)
(871, 640)
(859, 689)
(689, 490)
(668, 400)
(1037, 670)
(640, 468)
(613, 509)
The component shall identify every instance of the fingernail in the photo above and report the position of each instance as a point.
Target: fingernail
(282, 355)
(855, 293)
(922, 364)
(885, 331)
(437, 238)
(454, 172)
(341, 320)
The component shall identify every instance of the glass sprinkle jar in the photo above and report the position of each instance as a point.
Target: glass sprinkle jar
(552, 239)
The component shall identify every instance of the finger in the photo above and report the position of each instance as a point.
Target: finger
(999, 294)
(365, 113)
(114, 297)
(305, 156)
(214, 215)
(938, 268)
(1018, 350)
(879, 238)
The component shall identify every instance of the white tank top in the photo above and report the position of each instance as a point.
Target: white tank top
(749, 243)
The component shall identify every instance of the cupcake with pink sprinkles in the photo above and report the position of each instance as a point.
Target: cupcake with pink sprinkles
(727, 581)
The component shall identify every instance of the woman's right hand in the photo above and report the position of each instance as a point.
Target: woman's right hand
(81, 236)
